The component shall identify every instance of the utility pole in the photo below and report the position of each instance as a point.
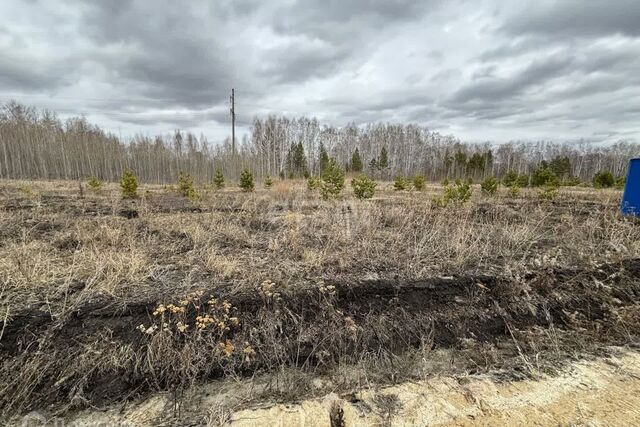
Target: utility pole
(233, 122)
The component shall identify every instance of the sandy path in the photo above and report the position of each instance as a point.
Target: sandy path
(597, 393)
(602, 392)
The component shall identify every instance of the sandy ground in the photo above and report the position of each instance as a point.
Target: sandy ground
(601, 392)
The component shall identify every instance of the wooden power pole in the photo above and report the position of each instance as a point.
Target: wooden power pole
(233, 122)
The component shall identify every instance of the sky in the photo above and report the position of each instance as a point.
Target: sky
(484, 70)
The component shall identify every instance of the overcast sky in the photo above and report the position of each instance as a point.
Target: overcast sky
(480, 70)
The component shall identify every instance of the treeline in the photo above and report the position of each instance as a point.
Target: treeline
(38, 145)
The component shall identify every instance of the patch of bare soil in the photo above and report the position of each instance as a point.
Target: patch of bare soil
(604, 392)
(600, 392)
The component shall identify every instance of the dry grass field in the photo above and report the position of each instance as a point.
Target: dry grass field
(105, 300)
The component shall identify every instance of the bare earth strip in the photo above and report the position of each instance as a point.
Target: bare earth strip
(602, 392)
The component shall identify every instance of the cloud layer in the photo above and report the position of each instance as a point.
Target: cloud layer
(482, 70)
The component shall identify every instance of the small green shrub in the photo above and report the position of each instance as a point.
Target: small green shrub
(401, 183)
(246, 180)
(620, 181)
(445, 182)
(332, 180)
(603, 179)
(313, 183)
(218, 179)
(418, 182)
(268, 182)
(548, 192)
(510, 178)
(544, 177)
(514, 191)
(489, 186)
(572, 181)
(129, 185)
(459, 193)
(185, 184)
(363, 187)
(26, 190)
(94, 184)
(522, 181)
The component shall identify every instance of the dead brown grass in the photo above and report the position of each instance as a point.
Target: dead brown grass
(80, 274)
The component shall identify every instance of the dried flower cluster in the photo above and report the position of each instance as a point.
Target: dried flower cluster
(214, 320)
(268, 291)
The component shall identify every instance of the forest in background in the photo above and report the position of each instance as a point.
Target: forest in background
(36, 144)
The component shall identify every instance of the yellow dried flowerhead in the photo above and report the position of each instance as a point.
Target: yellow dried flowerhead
(248, 350)
(226, 305)
(227, 348)
(328, 289)
(159, 310)
(351, 324)
(268, 290)
(175, 309)
(267, 286)
(196, 295)
(203, 321)
(150, 330)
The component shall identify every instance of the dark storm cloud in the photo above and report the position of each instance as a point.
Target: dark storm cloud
(495, 89)
(335, 19)
(19, 72)
(180, 119)
(574, 18)
(24, 76)
(296, 62)
(166, 56)
(341, 27)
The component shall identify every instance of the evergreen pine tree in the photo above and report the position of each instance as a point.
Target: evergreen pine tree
(246, 180)
(300, 160)
(356, 161)
(296, 161)
(129, 185)
(218, 179)
(383, 162)
(324, 158)
(185, 184)
(332, 180)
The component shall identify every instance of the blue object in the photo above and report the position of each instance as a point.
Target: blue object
(630, 204)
